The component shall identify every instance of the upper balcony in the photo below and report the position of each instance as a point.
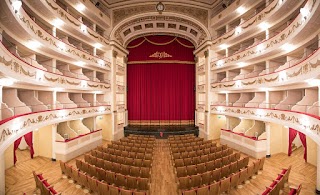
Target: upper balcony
(49, 9)
(298, 33)
(274, 13)
(295, 71)
(47, 44)
(29, 71)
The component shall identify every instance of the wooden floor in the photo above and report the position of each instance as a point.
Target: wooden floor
(19, 179)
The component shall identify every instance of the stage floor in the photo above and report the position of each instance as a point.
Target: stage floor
(162, 131)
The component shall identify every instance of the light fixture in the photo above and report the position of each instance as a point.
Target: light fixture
(16, 4)
(238, 83)
(287, 47)
(241, 64)
(264, 25)
(101, 109)
(238, 29)
(160, 7)
(241, 10)
(83, 28)
(6, 82)
(313, 82)
(39, 75)
(33, 44)
(62, 45)
(260, 47)
(80, 7)
(101, 62)
(304, 12)
(223, 46)
(83, 83)
(97, 45)
(57, 22)
(282, 76)
(80, 63)
(220, 63)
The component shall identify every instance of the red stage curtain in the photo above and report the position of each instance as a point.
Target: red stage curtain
(161, 87)
(292, 135)
(15, 147)
(304, 143)
(29, 141)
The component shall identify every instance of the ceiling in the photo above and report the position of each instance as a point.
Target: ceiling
(205, 3)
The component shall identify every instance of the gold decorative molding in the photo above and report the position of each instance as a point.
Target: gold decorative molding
(160, 55)
(200, 14)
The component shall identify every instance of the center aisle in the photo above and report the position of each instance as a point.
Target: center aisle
(162, 175)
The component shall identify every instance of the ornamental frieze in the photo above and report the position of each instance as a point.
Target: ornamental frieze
(200, 14)
(257, 18)
(55, 43)
(284, 116)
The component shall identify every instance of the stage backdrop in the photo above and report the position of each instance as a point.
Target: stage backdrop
(161, 80)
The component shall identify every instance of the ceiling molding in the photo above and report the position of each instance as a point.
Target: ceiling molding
(155, 23)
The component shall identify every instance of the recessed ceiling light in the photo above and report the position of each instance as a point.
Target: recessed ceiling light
(223, 46)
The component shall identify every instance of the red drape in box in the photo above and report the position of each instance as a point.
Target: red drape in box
(29, 141)
(161, 79)
(292, 135)
(15, 147)
(304, 143)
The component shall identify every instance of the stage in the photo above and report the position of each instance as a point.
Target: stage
(161, 132)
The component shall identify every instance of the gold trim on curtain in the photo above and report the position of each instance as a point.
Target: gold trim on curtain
(160, 44)
(161, 62)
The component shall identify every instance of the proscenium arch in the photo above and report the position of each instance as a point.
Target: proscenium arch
(195, 31)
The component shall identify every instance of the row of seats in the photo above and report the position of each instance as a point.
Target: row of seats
(142, 137)
(43, 185)
(141, 141)
(121, 148)
(217, 151)
(209, 176)
(295, 191)
(125, 146)
(118, 179)
(139, 155)
(179, 137)
(278, 184)
(193, 148)
(101, 187)
(236, 164)
(117, 159)
(205, 159)
(226, 184)
(190, 141)
(117, 167)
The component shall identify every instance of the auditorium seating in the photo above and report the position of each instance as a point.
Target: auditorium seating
(214, 185)
(43, 185)
(278, 184)
(295, 191)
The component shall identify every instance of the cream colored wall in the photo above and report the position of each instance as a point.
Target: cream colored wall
(233, 122)
(311, 152)
(8, 155)
(104, 122)
(43, 141)
(89, 122)
(244, 125)
(279, 139)
(217, 122)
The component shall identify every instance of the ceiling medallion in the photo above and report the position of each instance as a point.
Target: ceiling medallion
(160, 7)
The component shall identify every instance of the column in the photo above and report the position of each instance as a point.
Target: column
(94, 27)
(267, 126)
(227, 52)
(54, 100)
(54, 133)
(267, 99)
(267, 34)
(227, 123)
(318, 170)
(94, 100)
